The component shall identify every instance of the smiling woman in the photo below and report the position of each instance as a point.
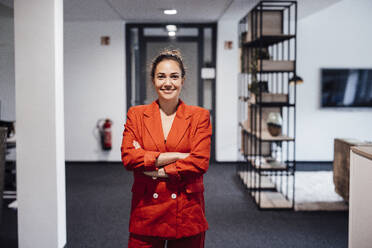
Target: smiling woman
(167, 146)
(168, 76)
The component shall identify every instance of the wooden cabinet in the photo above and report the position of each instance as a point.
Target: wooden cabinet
(341, 164)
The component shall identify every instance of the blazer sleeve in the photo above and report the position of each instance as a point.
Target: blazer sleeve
(134, 157)
(198, 160)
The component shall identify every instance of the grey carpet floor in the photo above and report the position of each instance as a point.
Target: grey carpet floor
(98, 203)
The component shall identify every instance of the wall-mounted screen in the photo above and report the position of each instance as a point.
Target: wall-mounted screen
(346, 87)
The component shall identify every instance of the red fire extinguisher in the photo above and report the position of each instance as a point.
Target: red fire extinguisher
(105, 133)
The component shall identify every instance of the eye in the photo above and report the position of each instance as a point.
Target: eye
(175, 76)
(160, 76)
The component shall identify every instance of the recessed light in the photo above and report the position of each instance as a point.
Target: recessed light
(172, 34)
(170, 11)
(171, 28)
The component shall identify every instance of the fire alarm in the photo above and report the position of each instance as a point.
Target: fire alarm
(228, 45)
(105, 40)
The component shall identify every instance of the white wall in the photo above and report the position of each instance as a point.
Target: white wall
(7, 85)
(339, 36)
(94, 88)
(227, 129)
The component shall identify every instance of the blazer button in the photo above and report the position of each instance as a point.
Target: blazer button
(174, 196)
(155, 195)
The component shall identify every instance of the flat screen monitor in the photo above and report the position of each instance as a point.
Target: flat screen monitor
(346, 87)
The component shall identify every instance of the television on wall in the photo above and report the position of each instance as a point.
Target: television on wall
(346, 87)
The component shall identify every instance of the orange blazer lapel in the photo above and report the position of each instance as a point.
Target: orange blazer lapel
(153, 125)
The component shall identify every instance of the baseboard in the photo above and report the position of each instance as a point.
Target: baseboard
(229, 162)
(313, 162)
(92, 162)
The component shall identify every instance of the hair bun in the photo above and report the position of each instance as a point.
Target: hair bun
(172, 52)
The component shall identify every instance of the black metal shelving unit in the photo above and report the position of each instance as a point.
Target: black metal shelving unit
(268, 62)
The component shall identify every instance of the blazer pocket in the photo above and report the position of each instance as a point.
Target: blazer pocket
(194, 187)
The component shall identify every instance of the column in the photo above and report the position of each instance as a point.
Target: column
(40, 123)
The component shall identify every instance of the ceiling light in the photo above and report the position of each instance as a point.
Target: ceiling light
(172, 34)
(170, 11)
(171, 28)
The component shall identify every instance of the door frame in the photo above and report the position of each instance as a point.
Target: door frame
(142, 40)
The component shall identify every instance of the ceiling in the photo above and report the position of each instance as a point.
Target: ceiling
(189, 11)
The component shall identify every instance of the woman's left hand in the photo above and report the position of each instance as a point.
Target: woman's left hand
(157, 173)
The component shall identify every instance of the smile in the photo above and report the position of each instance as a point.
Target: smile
(168, 90)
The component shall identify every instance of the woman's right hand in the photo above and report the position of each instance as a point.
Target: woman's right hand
(169, 157)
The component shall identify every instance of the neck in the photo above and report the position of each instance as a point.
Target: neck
(169, 107)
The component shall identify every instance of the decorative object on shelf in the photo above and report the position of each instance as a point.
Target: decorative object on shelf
(295, 80)
(257, 86)
(276, 152)
(271, 24)
(257, 121)
(274, 123)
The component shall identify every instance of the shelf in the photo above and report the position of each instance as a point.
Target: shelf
(275, 66)
(266, 136)
(246, 176)
(269, 166)
(267, 61)
(268, 98)
(273, 104)
(266, 104)
(268, 200)
(268, 40)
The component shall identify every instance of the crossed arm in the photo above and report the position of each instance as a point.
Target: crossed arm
(163, 160)
(174, 165)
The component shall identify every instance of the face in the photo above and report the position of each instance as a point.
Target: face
(168, 80)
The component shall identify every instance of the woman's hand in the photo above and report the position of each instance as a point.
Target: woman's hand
(169, 157)
(164, 159)
(159, 173)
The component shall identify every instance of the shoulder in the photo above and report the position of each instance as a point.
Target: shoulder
(197, 112)
(138, 109)
(196, 109)
(135, 113)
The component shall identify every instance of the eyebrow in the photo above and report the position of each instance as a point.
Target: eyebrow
(173, 73)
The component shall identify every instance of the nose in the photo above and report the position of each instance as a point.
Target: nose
(168, 81)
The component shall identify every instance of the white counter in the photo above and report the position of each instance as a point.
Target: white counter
(360, 209)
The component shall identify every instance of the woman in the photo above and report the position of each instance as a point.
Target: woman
(167, 146)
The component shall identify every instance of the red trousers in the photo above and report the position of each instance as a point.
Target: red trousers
(140, 241)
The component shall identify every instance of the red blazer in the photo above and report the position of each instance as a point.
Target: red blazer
(167, 207)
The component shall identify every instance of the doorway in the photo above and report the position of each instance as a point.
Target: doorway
(197, 43)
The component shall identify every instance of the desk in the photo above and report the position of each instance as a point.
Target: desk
(360, 204)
